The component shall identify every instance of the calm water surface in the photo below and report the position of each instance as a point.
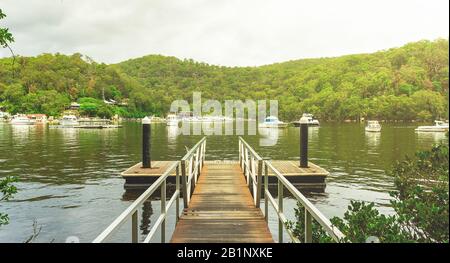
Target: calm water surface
(70, 183)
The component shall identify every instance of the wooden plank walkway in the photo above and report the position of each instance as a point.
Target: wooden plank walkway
(221, 210)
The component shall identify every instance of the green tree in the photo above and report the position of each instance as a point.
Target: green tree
(421, 203)
(7, 189)
(406, 83)
(6, 37)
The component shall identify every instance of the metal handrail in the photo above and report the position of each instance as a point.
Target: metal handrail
(251, 164)
(191, 166)
(310, 210)
(195, 157)
(247, 159)
(132, 210)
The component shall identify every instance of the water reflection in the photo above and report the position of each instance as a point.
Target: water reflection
(21, 133)
(435, 137)
(172, 133)
(373, 139)
(313, 133)
(70, 179)
(69, 134)
(269, 136)
(146, 211)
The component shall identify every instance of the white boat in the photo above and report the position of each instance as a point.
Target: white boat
(373, 126)
(439, 126)
(69, 121)
(22, 120)
(172, 120)
(215, 119)
(272, 122)
(311, 120)
(155, 119)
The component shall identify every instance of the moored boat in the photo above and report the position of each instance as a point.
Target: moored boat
(272, 122)
(71, 121)
(172, 120)
(439, 126)
(373, 126)
(312, 121)
(156, 119)
(22, 120)
(68, 121)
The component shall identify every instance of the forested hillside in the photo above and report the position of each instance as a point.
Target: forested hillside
(404, 83)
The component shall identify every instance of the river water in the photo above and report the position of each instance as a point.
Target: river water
(70, 184)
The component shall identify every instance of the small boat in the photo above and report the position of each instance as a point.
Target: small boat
(311, 120)
(22, 120)
(96, 123)
(272, 122)
(439, 126)
(156, 119)
(373, 126)
(172, 120)
(69, 121)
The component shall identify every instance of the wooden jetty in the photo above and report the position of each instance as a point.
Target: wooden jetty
(222, 209)
(312, 177)
(222, 200)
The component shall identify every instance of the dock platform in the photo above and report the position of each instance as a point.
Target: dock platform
(311, 178)
(138, 177)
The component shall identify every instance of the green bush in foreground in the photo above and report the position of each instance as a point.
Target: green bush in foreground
(420, 201)
(7, 190)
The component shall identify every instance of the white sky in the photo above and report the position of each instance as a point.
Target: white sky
(223, 32)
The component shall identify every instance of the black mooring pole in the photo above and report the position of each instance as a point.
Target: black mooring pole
(146, 143)
(304, 142)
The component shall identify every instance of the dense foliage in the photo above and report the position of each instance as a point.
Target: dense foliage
(421, 204)
(5, 36)
(7, 188)
(406, 83)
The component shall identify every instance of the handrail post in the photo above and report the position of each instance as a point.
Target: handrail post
(251, 172)
(163, 211)
(259, 184)
(280, 210)
(201, 157)
(184, 182)
(240, 157)
(197, 164)
(191, 168)
(308, 227)
(177, 189)
(134, 227)
(190, 173)
(266, 189)
(244, 162)
(249, 165)
(204, 152)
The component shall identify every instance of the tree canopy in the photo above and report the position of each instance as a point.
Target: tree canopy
(406, 83)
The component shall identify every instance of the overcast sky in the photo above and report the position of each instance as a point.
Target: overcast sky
(223, 32)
